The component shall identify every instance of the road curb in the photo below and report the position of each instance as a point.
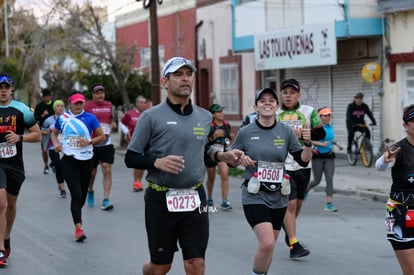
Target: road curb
(375, 196)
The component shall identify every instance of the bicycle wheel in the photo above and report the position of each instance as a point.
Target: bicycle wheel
(366, 153)
(352, 157)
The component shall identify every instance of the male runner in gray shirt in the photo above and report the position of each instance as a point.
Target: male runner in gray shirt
(169, 141)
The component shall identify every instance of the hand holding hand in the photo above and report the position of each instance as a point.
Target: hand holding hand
(233, 157)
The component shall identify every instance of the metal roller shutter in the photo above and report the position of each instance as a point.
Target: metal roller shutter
(347, 81)
(314, 85)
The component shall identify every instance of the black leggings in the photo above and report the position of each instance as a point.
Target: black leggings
(77, 174)
(55, 158)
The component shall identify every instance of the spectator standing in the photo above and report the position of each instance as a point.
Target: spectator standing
(323, 159)
(104, 152)
(355, 118)
(169, 143)
(15, 118)
(128, 123)
(76, 127)
(47, 129)
(219, 137)
(266, 144)
(298, 117)
(400, 206)
(43, 110)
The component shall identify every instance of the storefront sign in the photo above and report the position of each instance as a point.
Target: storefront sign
(312, 45)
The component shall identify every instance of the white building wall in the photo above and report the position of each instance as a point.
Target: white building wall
(363, 8)
(400, 32)
(248, 82)
(399, 39)
(216, 34)
(270, 15)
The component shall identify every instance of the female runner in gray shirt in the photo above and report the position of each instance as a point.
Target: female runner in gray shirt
(266, 144)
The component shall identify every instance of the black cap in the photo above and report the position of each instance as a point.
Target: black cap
(359, 95)
(290, 83)
(408, 113)
(216, 108)
(45, 92)
(264, 91)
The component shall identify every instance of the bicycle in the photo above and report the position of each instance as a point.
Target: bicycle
(361, 145)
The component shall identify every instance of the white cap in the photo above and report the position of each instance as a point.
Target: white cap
(176, 63)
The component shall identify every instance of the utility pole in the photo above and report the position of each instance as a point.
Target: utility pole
(6, 28)
(155, 59)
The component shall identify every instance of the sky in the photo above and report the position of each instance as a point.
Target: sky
(115, 7)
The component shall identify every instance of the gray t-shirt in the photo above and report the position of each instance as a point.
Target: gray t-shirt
(270, 144)
(161, 132)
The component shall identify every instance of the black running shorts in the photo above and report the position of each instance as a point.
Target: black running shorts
(299, 181)
(164, 228)
(260, 213)
(12, 179)
(103, 154)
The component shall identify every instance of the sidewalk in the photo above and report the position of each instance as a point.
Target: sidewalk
(349, 180)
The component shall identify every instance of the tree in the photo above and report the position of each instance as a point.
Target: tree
(84, 26)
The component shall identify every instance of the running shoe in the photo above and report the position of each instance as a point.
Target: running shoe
(3, 259)
(7, 247)
(225, 205)
(137, 186)
(62, 194)
(79, 235)
(298, 251)
(107, 205)
(46, 170)
(330, 207)
(91, 199)
(210, 206)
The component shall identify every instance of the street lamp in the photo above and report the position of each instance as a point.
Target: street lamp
(155, 63)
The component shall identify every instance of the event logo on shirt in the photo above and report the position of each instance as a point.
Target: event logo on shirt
(10, 124)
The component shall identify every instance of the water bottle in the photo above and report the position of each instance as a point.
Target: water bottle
(285, 188)
(253, 186)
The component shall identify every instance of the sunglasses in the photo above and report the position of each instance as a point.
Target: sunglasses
(6, 79)
(177, 62)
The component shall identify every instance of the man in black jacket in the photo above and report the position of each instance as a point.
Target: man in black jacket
(43, 110)
(355, 121)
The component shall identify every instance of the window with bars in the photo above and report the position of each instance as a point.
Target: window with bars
(229, 87)
(409, 85)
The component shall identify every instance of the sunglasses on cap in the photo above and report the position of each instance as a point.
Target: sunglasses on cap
(176, 64)
(6, 79)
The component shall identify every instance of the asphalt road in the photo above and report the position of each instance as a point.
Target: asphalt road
(350, 241)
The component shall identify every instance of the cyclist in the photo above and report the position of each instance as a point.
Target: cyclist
(355, 118)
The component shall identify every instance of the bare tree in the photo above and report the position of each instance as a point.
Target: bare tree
(85, 28)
